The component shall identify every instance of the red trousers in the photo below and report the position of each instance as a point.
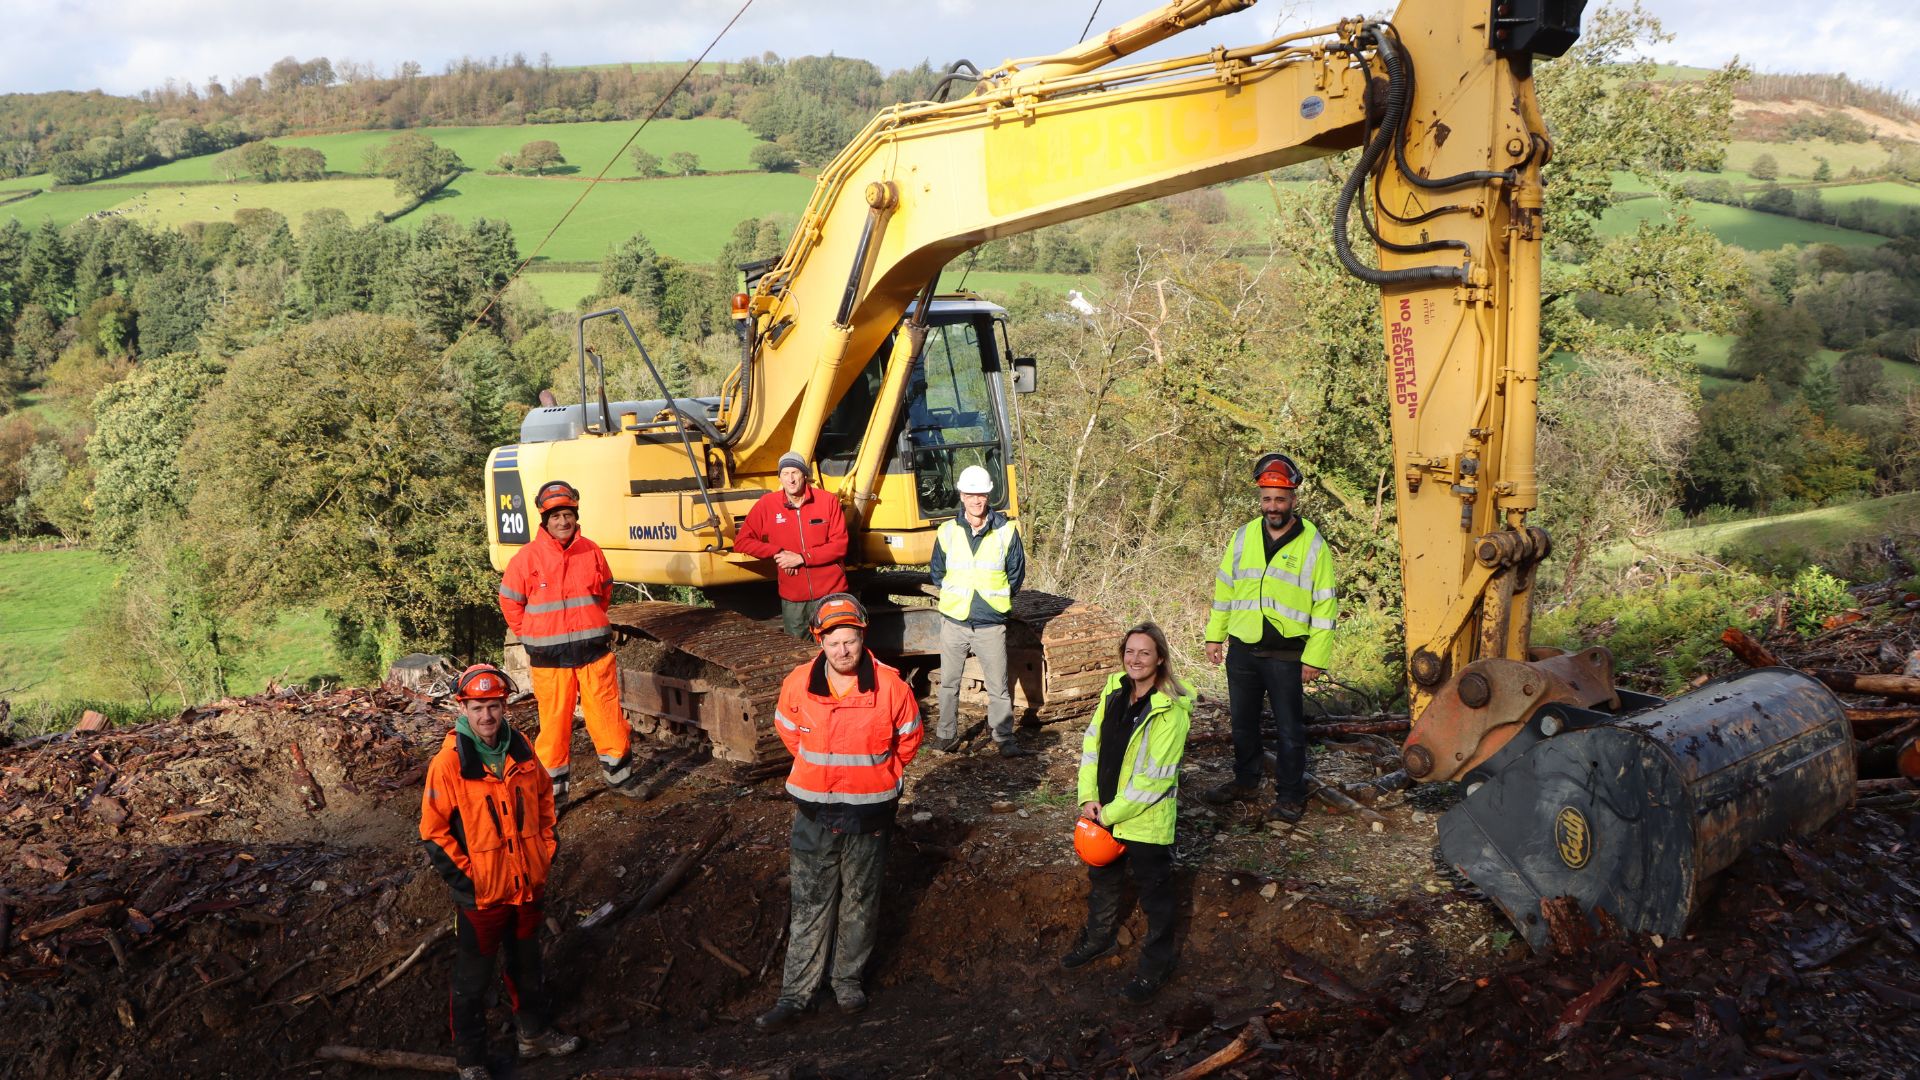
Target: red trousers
(479, 936)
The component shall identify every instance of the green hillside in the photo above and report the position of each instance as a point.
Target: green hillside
(1750, 229)
(1827, 536)
(685, 217)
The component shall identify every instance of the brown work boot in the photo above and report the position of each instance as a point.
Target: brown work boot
(1229, 792)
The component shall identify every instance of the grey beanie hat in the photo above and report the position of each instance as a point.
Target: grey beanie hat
(793, 459)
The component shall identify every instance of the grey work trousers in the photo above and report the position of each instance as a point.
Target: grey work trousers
(989, 645)
(835, 901)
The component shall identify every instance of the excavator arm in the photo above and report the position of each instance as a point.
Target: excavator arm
(1573, 787)
(1445, 201)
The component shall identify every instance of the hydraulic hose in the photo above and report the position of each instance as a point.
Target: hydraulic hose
(1383, 138)
(1403, 88)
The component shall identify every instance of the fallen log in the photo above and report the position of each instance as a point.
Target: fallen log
(1250, 1039)
(1890, 735)
(1898, 687)
(679, 868)
(1338, 799)
(387, 1059)
(1894, 785)
(1361, 727)
(61, 922)
(655, 1073)
(1750, 652)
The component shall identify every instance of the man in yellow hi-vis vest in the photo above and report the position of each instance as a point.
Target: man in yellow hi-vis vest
(1273, 613)
(978, 565)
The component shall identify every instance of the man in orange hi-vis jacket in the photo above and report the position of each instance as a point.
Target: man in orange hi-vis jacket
(852, 725)
(487, 822)
(555, 595)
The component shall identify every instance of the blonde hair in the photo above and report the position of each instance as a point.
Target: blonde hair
(1163, 677)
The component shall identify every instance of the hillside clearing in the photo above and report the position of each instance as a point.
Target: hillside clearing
(1830, 536)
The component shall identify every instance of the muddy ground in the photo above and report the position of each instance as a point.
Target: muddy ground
(187, 899)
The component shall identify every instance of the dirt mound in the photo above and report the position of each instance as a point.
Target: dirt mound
(183, 899)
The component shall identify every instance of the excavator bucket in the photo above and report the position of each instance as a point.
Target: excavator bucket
(1632, 814)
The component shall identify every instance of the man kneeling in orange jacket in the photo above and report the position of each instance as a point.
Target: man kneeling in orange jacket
(487, 822)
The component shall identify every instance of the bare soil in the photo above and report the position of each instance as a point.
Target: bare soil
(236, 914)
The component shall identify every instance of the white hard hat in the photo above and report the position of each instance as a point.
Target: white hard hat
(975, 481)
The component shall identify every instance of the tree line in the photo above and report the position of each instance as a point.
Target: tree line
(806, 108)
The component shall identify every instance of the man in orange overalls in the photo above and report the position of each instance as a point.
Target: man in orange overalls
(555, 595)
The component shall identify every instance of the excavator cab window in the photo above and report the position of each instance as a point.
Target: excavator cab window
(955, 409)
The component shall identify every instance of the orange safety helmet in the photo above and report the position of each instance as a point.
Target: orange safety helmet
(482, 681)
(555, 494)
(1094, 843)
(1277, 471)
(840, 609)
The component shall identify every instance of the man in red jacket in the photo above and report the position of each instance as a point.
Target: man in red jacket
(555, 595)
(487, 822)
(801, 529)
(852, 725)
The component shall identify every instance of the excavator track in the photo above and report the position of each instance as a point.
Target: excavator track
(697, 675)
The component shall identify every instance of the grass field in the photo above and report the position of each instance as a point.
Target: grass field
(63, 208)
(1886, 191)
(999, 285)
(1831, 536)
(1798, 160)
(1738, 226)
(563, 289)
(360, 198)
(1254, 197)
(1710, 357)
(22, 183)
(720, 145)
(48, 598)
(685, 217)
(44, 597)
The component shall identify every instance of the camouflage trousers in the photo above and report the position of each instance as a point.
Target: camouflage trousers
(835, 908)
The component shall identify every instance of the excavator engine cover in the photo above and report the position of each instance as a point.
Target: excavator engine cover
(1632, 814)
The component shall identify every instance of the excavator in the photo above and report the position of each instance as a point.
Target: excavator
(1577, 795)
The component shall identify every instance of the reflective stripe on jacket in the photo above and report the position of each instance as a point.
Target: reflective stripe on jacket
(555, 600)
(490, 837)
(967, 571)
(851, 751)
(1148, 801)
(1295, 592)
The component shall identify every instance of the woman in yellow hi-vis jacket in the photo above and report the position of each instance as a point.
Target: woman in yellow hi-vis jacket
(1130, 783)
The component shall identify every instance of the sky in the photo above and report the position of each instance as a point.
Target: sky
(125, 46)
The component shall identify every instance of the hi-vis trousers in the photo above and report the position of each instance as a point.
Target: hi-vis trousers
(595, 687)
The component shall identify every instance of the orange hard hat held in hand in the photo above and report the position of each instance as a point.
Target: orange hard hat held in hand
(1094, 843)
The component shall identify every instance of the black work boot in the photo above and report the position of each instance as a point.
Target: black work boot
(1286, 811)
(1009, 748)
(780, 1016)
(1141, 988)
(1229, 792)
(943, 746)
(1086, 952)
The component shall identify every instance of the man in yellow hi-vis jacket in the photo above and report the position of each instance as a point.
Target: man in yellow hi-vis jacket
(1273, 613)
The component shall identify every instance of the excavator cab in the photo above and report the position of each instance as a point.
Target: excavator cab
(958, 411)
